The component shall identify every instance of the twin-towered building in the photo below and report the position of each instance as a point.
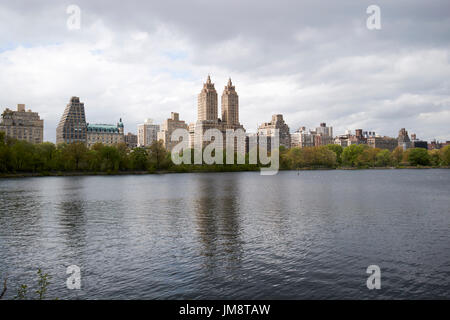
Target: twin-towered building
(73, 127)
(208, 113)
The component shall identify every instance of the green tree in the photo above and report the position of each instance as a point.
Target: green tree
(158, 155)
(351, 153)
(435, 157)
(418, 156)
(75, 153)
(337, 149)
(368, 157)
(22, 156)
(139, 159)
(110, 158)
(383, 158)
(445, 155)
(5, 154)
(398, 156)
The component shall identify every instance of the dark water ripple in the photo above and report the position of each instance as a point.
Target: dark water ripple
(231, 236)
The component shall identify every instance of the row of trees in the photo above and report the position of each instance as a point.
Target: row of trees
(21, 156)
(362, 156)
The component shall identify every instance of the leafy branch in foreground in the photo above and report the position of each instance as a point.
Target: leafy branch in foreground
(43, 283)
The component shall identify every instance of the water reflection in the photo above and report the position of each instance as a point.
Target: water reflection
(231, 235)
(71, 212)
(218, 222)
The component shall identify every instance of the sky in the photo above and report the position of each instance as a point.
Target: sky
(312, 61)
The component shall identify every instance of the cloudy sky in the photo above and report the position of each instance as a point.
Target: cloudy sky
(313, 61)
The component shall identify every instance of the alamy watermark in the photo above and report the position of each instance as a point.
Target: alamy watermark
(74, 280)
(208, 147)
(74, 19)
(374, 280)
(374, 20)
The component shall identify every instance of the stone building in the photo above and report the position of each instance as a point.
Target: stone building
(417, 143)
(324, 135)
(72, 126)
(168, 127)
(147, 133)
(268, 129)
(302, 138)
(131, 140)
(434, 145)
(22, 125)
(403, 139)
(208, 115)
(382, 142)
(107, 134)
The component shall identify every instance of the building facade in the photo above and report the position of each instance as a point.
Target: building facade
(107, 134)
(208, 115)
(131, 140)
(22, 125)
(403, 139)
(147, 133)
(72, 126)
(324, 135)
(302, 138)
(382, 142)
(277, 122)
(168, 127)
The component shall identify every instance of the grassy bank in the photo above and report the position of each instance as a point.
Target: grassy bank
(198, 169)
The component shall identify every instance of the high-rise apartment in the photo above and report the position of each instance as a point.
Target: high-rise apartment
(147, 133)
(168, 127)
(72, 126)
(22, 125)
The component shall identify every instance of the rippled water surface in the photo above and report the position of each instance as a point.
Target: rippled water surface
(301, 235)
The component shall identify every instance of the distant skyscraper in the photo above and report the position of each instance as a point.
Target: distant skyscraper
(147, 133)
(207, 102)
(72, 126)
(268, 129)
(324, 135)
(230, 104)
(403, 139)
(208, 114)
(168, 127)
(22, 125)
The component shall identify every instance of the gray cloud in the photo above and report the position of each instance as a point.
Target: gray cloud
(313, 61)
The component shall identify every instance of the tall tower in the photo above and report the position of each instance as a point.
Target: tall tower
(207, 102)
(230, 104)
(72, 126)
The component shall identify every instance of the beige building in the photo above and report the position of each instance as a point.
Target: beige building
(147, 133)
(208, 115)
(72, 126)
(22, 125)
(168, 127)
(268, 129)
(107, 134)
(302, 138)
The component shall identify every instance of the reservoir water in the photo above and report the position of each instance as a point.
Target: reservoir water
(305, 235)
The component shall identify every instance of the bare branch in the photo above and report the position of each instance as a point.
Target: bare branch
(4, 289)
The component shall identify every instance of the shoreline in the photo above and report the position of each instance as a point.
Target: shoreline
(122, 173)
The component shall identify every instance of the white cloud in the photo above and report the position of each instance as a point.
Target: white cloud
(312, 66)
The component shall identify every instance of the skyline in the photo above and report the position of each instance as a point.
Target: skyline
(248, 131)
(310, 64)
